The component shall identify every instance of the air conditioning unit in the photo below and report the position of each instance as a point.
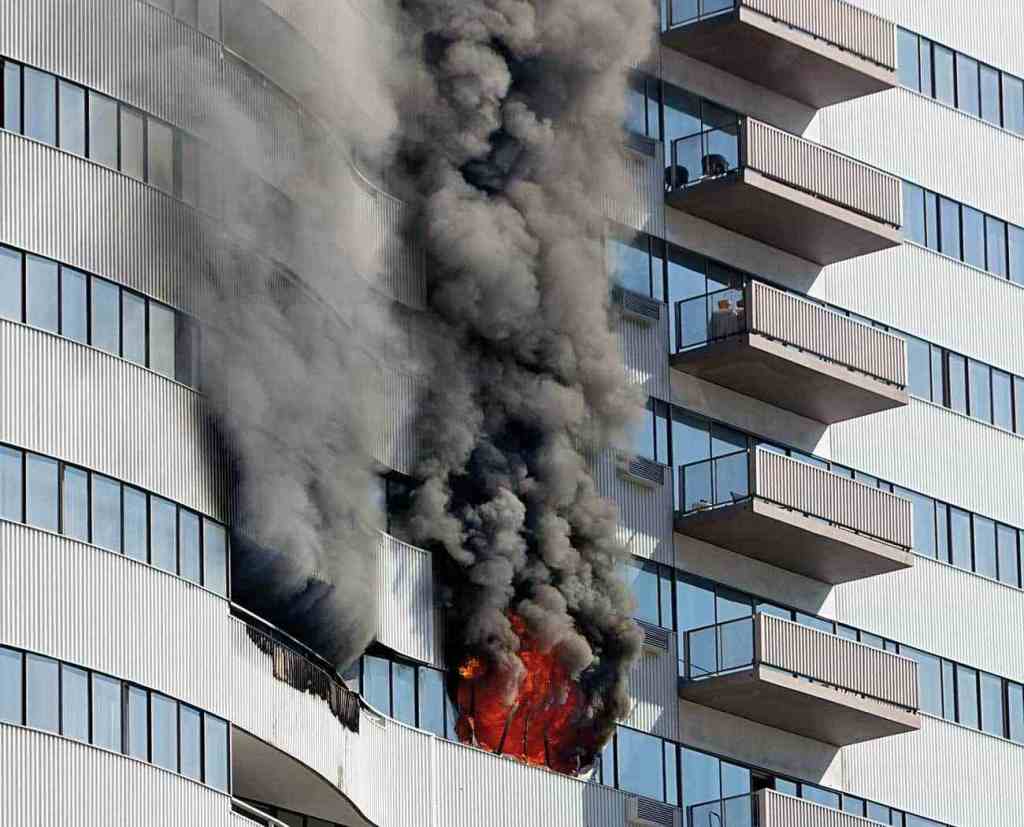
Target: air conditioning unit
(637, 306)
(641, 470)
(643, 812)
(656, 639)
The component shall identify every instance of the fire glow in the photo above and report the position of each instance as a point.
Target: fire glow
(543, 724)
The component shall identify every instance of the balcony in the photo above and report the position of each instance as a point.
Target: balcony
(801, 680)
(785, 191)
(819, 52)
(768, 808)
(791, 352)
(794, 515)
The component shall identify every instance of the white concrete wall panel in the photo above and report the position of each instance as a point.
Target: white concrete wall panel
(966, 618)
(936, 451)
(74, 402)
(405, 607)
(943, 771)
(45, 779)
(653, 688)
(92, 607)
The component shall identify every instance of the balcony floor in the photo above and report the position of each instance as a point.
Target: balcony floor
(779, 57)
(814, 710)
(764, 369)
(790, 540)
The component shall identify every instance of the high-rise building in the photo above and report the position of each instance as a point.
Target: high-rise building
(816, 278)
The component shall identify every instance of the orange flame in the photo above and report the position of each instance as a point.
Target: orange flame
(543, 724)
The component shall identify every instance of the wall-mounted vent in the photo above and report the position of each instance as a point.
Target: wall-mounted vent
(641, 470)
(656, 639)
(643, 812)
(637, 306)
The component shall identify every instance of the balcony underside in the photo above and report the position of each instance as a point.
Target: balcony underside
(789, 378)
(778, 57)
(790, 540)
(784, 217)
(814, 710)
(264, 773)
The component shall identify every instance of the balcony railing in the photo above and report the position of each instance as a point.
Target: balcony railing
(766, 640)
(768, 808)
(794, 321)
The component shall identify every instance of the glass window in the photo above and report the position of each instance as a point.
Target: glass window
(957, 383)
(931, 220)
(403, 693)
(106, 712)
(215, 557)
(106, 513)
(191, 742)
(640, 764)
(960, 538)
(948, 691)
(137, 719)
(136, 524)
(377, 683)
(924, 523)
(984, 546)
(11, 484)
(106, 316)
(913, 213)
(907, 59)
(942, 62)
(979, 377)
(1018, 404)
(10, 284)
(671, 773)
(41, 293)
(645, 590)
(967, 695)
(160, 144)
(826, 798)
(1009, 560)
(40, 105)
(11, 706)
(992, 704)
(74, 702)
(967, 88)
(41, 485)
(974, 237)
(133, 142)
(990, 109)
(949, 227)
(188, 546)
(164, 736)
(1013, 104)
(216, 752)
(701, 778)
(919, 365)
(929, 671)
(72, 117)
(187, 160)
(103, 129)
(431, 701)
(12, 96)
(1015, 253)
(163, 534)
(73, 304)
(1014, 710)
(161, 339)
(938, 378)
(76, 503)
(995, 246)
(1002, 399)
(133, 321)
(186, 351)
(42, 703)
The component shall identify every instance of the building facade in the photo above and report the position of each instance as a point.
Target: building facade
(822, 503)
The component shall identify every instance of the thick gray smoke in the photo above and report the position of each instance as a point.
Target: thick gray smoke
(522, 119)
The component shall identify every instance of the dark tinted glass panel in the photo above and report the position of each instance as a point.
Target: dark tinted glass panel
(967, 85)
(1015, 711)
(72, 117)
(931, 217)
(1009, 560)
(188, 546)
(41, 293)
(12, 97)
(215, 557)
(74, 702)
(960, 538)
(995, 246)
(1013, 104)
(42, 702)
(160, 147)
(10, 284)
(163, 534)
(980, 377)
(136, 524)
(1002, 399)
(974, 237)
(161, 339)
(106, 712)
(41, 491)
(377, 683)
(913, 213)
(948, 691)
(216, 752)
(640, 767)
(106, 316)
(11, 702)
(992, 704)
(133, 320)
(938, 377)
(76, 503)
(1018, 404)
(137, 718)
(957, 383)
(1015, 253)
(990, 109)
(919, 364)
(11, 484)
(431, 701)
(106, 513)
(984, 546)
(186, 351)
(191, 742)
(967, 695)
(945, 89)
(908, 61)
(73, 304)
(40, 105)
(826, 798)
(164, 718)
(133, 157)
(403, 692)
(103, 129)
(949, 227)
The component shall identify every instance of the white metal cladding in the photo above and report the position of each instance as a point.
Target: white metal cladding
(653, 689)
(943, 771)
(645, 354)
(405, 599)
(74, 402)
(643, 185)
(936, 451)
(397, 443)
(780, 810)
(46, 779)
(811, 327)
(969, 311)
(845, 502)
(822, 172)
(932, 145)
(645, 513)
(987, 636)
(836, 661)
(841, 24)
(98, 609)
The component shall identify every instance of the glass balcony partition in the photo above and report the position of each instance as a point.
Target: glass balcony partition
(713, 482)
(681, 12)
(711, 153)
(718, 649)
(711, 317)
(737, 811)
